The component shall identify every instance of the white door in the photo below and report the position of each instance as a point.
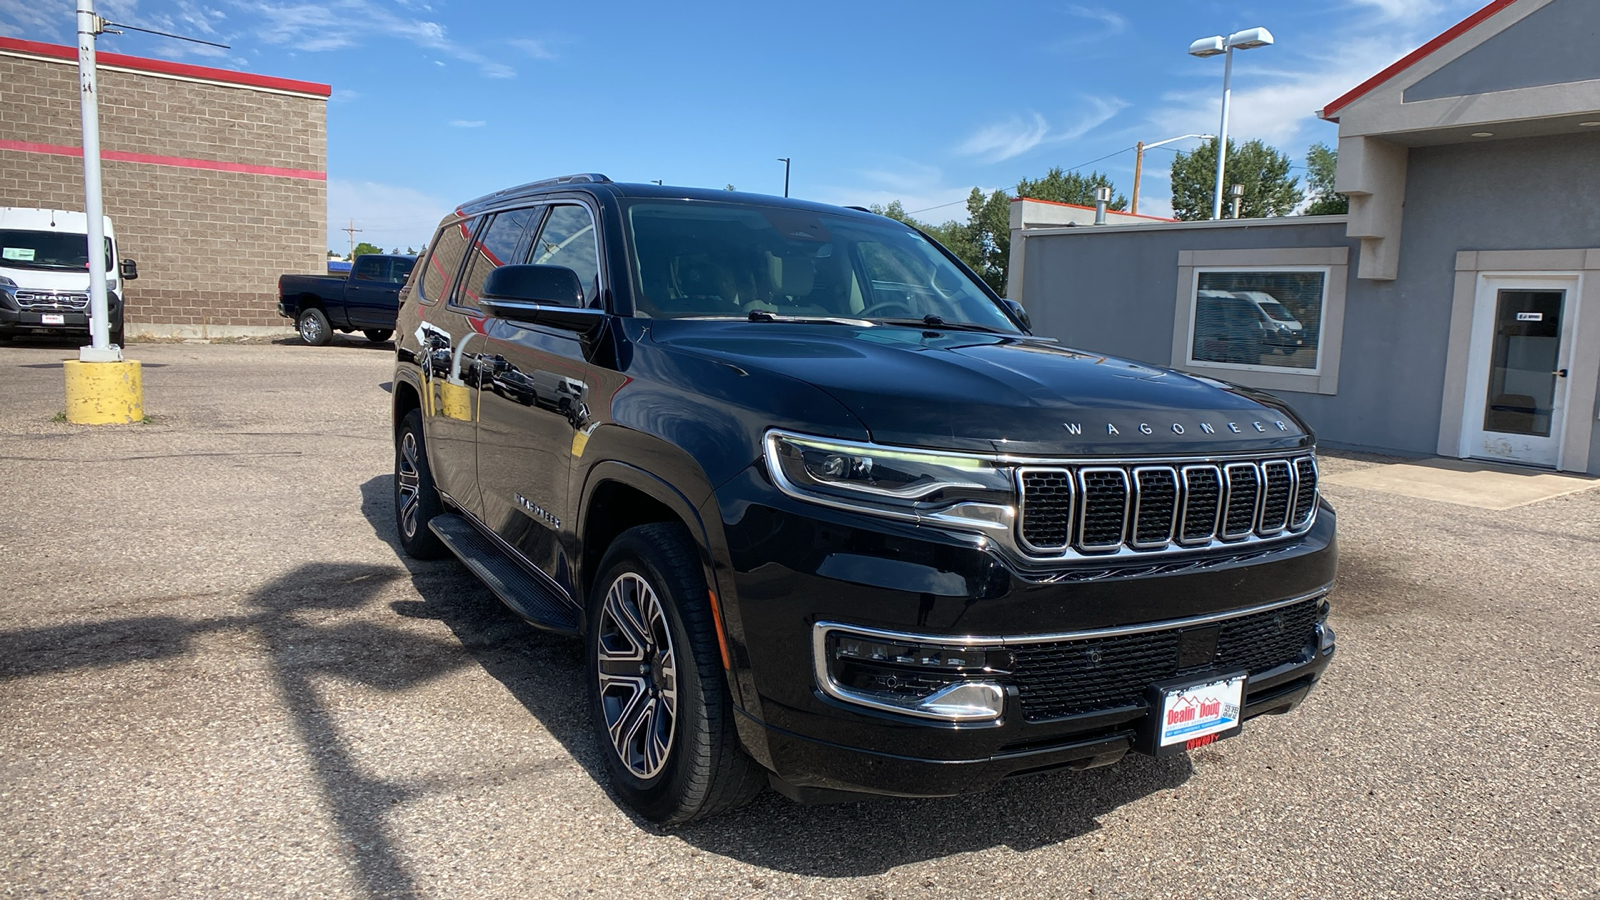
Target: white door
(1517, 372)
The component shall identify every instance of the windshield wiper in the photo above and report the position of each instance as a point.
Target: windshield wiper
(932, 321)
(762, 315)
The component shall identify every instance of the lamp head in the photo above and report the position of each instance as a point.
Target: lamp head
(1248, 39)
(1211, 46)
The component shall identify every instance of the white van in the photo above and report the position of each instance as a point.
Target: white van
(44, 273)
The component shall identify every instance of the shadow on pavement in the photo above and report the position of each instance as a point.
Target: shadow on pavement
(299, 650)
(339, 340)
(545, 673)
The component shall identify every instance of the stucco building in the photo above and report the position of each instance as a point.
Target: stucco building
(216, 180)
(1455, 311)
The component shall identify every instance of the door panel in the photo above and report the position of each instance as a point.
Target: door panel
(536, 405)
(1517, 375)
(449, 336)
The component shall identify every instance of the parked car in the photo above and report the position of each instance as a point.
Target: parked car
(1281, 330)
(44, 277)
(826, 516)
(365, 302)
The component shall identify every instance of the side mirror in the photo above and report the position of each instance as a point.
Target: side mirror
(1020, 313)
(543, 295)
(129, 270)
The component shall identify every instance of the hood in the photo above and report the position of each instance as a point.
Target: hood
(989, 392)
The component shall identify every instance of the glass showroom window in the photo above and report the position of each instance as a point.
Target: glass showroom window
(1258, 318)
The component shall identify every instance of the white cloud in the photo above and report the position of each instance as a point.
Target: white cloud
(333, 25)
(534, 48)
(28, 17)
(388, 215)
(1113, 23)
(467, 123)
(344, 95)
(1005, 140)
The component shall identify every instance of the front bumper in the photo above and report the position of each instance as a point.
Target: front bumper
(790, 565)
(33, 321)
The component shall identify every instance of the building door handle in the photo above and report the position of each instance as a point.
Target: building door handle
(1560, 373)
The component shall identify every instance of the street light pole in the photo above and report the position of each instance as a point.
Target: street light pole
(99, 349)
(1138, 164)
(1222, 133)
(785, 161)
(1217, 45)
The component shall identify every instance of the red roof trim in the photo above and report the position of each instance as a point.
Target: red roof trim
(180, 162)
(164, 67)
(1415, 56)
(1109, 211)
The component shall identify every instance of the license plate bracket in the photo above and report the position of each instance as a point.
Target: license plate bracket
(1189, 713)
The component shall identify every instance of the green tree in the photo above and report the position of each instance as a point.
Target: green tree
(333, 254)
(1263, 170)
(729, 187)
(1321, 160)
(1070, 187)
(983, 242)
(362, 249)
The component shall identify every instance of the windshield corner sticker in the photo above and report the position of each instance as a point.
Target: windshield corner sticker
(20, 254)
(1273, 426)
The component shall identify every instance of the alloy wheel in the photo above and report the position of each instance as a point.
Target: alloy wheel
(638, 672)
(310, 331)
(409, 480)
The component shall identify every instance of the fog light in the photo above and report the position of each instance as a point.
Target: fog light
(950, 682)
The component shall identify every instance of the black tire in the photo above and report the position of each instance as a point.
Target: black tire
(378, 335)
(416, 499)
(314, 327)
(696, 769)
(117, 334)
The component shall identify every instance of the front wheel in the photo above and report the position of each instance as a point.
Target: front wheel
(378, 335)
(658, 697)
(416, 499)
(314, 328)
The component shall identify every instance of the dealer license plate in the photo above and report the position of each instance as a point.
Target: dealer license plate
(53, 319)
(1196, 711)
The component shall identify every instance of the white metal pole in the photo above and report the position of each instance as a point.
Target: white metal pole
(100, 349)
(1222, 132)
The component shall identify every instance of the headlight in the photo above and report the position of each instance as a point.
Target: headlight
(6, 282)
(894, 481)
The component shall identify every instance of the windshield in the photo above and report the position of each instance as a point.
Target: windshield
(1276, 310)
(727, 260)
(48, 250)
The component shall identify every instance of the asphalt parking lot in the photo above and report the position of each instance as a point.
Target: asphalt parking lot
(218, 676)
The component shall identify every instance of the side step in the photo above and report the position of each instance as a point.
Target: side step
(527, 596)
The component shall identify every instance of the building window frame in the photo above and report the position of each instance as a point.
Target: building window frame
(1333, 262)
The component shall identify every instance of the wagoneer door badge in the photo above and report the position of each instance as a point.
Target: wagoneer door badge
(537, 512)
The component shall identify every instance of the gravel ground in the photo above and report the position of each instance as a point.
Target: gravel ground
(217, 676)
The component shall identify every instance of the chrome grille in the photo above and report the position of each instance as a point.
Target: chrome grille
(1305, 495)
(1202, 487)
(69, 301)
(1101, 509)
(1155, 506)
(1104, 506)
(1047, 518)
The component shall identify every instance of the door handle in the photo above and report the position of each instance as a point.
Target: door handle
(1560, 373)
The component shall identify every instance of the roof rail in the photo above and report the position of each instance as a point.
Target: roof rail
(582, 178)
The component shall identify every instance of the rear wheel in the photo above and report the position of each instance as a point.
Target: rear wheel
(416, 499)
(314, 328)
(378, 335)
(658, 696)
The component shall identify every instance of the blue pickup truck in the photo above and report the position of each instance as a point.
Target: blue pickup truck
(366, 301)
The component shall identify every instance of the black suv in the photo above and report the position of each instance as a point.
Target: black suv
(826, 515)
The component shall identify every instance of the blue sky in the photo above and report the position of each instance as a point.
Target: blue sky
(441, 101)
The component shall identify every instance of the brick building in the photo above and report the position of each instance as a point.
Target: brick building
(216, 180)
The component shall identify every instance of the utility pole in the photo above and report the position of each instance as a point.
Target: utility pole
(99, 349)
(785, 161)
(1138, 163)
(352, 231)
